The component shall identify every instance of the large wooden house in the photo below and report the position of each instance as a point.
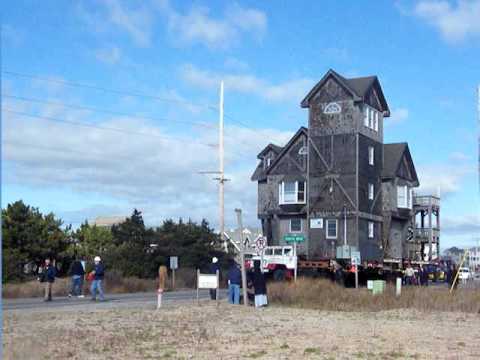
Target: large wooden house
(336, 182)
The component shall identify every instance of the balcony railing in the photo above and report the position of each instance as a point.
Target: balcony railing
(425, 233)
(426, 200)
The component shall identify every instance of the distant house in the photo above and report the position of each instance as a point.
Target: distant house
(108, 221)
(337, 183)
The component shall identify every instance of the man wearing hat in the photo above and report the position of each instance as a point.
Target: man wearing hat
(214, 267)
(98, 274)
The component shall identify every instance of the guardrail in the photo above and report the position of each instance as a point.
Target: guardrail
(426, 200)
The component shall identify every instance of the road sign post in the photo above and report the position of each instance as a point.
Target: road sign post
(260, 244)
(355, 261)
(294, 238)
(173, 267)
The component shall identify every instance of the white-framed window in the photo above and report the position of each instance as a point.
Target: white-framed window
(295, 225)
(410, 198)
(371, 191)
(269, 162)
(331, 228)
(332, 108)
(402, 196)
(371, 155)
(371, 228)
(371, 118)
(291, 192)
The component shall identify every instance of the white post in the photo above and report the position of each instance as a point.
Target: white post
(218, 286)
(345, 225)
(159, 299)
(242, 258)
(399, 286)
(221, 170)
(198, 277)
(296, 261)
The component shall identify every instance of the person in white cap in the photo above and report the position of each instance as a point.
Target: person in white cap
(98, 274)
(214, 267)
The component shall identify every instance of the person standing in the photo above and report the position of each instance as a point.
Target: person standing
(98, 275)
(234, 280)
(409, 275)
(423, 274)
(214, 267)
(77, 272)
(259, 285)
(49, 273)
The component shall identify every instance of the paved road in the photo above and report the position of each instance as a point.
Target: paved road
(114, 300)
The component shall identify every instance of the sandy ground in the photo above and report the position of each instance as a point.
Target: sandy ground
(190, 331)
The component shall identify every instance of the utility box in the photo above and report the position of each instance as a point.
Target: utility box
(378, 287)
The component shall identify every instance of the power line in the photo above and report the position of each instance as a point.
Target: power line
(73, 123)
(108, 90)
(80, 107)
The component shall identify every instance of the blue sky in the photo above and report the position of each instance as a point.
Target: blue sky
(425, 53)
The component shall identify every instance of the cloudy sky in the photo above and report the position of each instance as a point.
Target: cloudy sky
(110, 105)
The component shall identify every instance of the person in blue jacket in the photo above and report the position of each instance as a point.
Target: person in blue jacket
(234, 277)
(48, 277)
(99, 274)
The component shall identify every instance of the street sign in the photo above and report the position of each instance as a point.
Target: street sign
(261, 243)
(295, 238)
(355, 257)
(207, 281)
(173, 262)
(316, 223)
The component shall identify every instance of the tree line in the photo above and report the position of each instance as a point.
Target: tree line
(131, 248)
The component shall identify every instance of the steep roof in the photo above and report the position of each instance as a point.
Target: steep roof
(275, 148)
(392, 158)
(358, 87)
(260, 173)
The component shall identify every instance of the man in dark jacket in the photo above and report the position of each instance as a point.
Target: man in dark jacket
(99, 274)
(214, 267)
(77, 272)
(259, 285)
(234, 280)
(49, 273)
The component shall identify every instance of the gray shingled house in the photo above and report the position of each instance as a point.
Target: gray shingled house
(336, 182)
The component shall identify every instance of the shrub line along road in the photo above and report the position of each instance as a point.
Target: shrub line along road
(111, 300)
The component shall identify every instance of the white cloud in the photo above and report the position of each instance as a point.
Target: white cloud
(292, 90)
(110, 55)
(156, 175)
(197, 25)
(455, 22)
(397, 116)
(459, 156)
(136, 22)
(235, 64)
(465, 225)
(443, 178)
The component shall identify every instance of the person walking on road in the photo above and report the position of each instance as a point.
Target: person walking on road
(98, 275)
(48, 276)
(77, 272)
(214, 267)
(234, 280)
(259, 285)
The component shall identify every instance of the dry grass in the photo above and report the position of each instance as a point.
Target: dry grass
(207, 331)
(322, 294)
(114, 284)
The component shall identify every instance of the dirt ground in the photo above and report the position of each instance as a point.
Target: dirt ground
(190, 331)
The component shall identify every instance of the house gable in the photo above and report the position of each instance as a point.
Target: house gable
(292, 158)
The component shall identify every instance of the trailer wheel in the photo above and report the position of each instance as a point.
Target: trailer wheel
(279, 275)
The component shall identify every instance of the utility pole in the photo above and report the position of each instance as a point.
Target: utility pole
(221, 172)
(242, 257)
(221, 180)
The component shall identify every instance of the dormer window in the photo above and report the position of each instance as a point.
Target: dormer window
(332, 108)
